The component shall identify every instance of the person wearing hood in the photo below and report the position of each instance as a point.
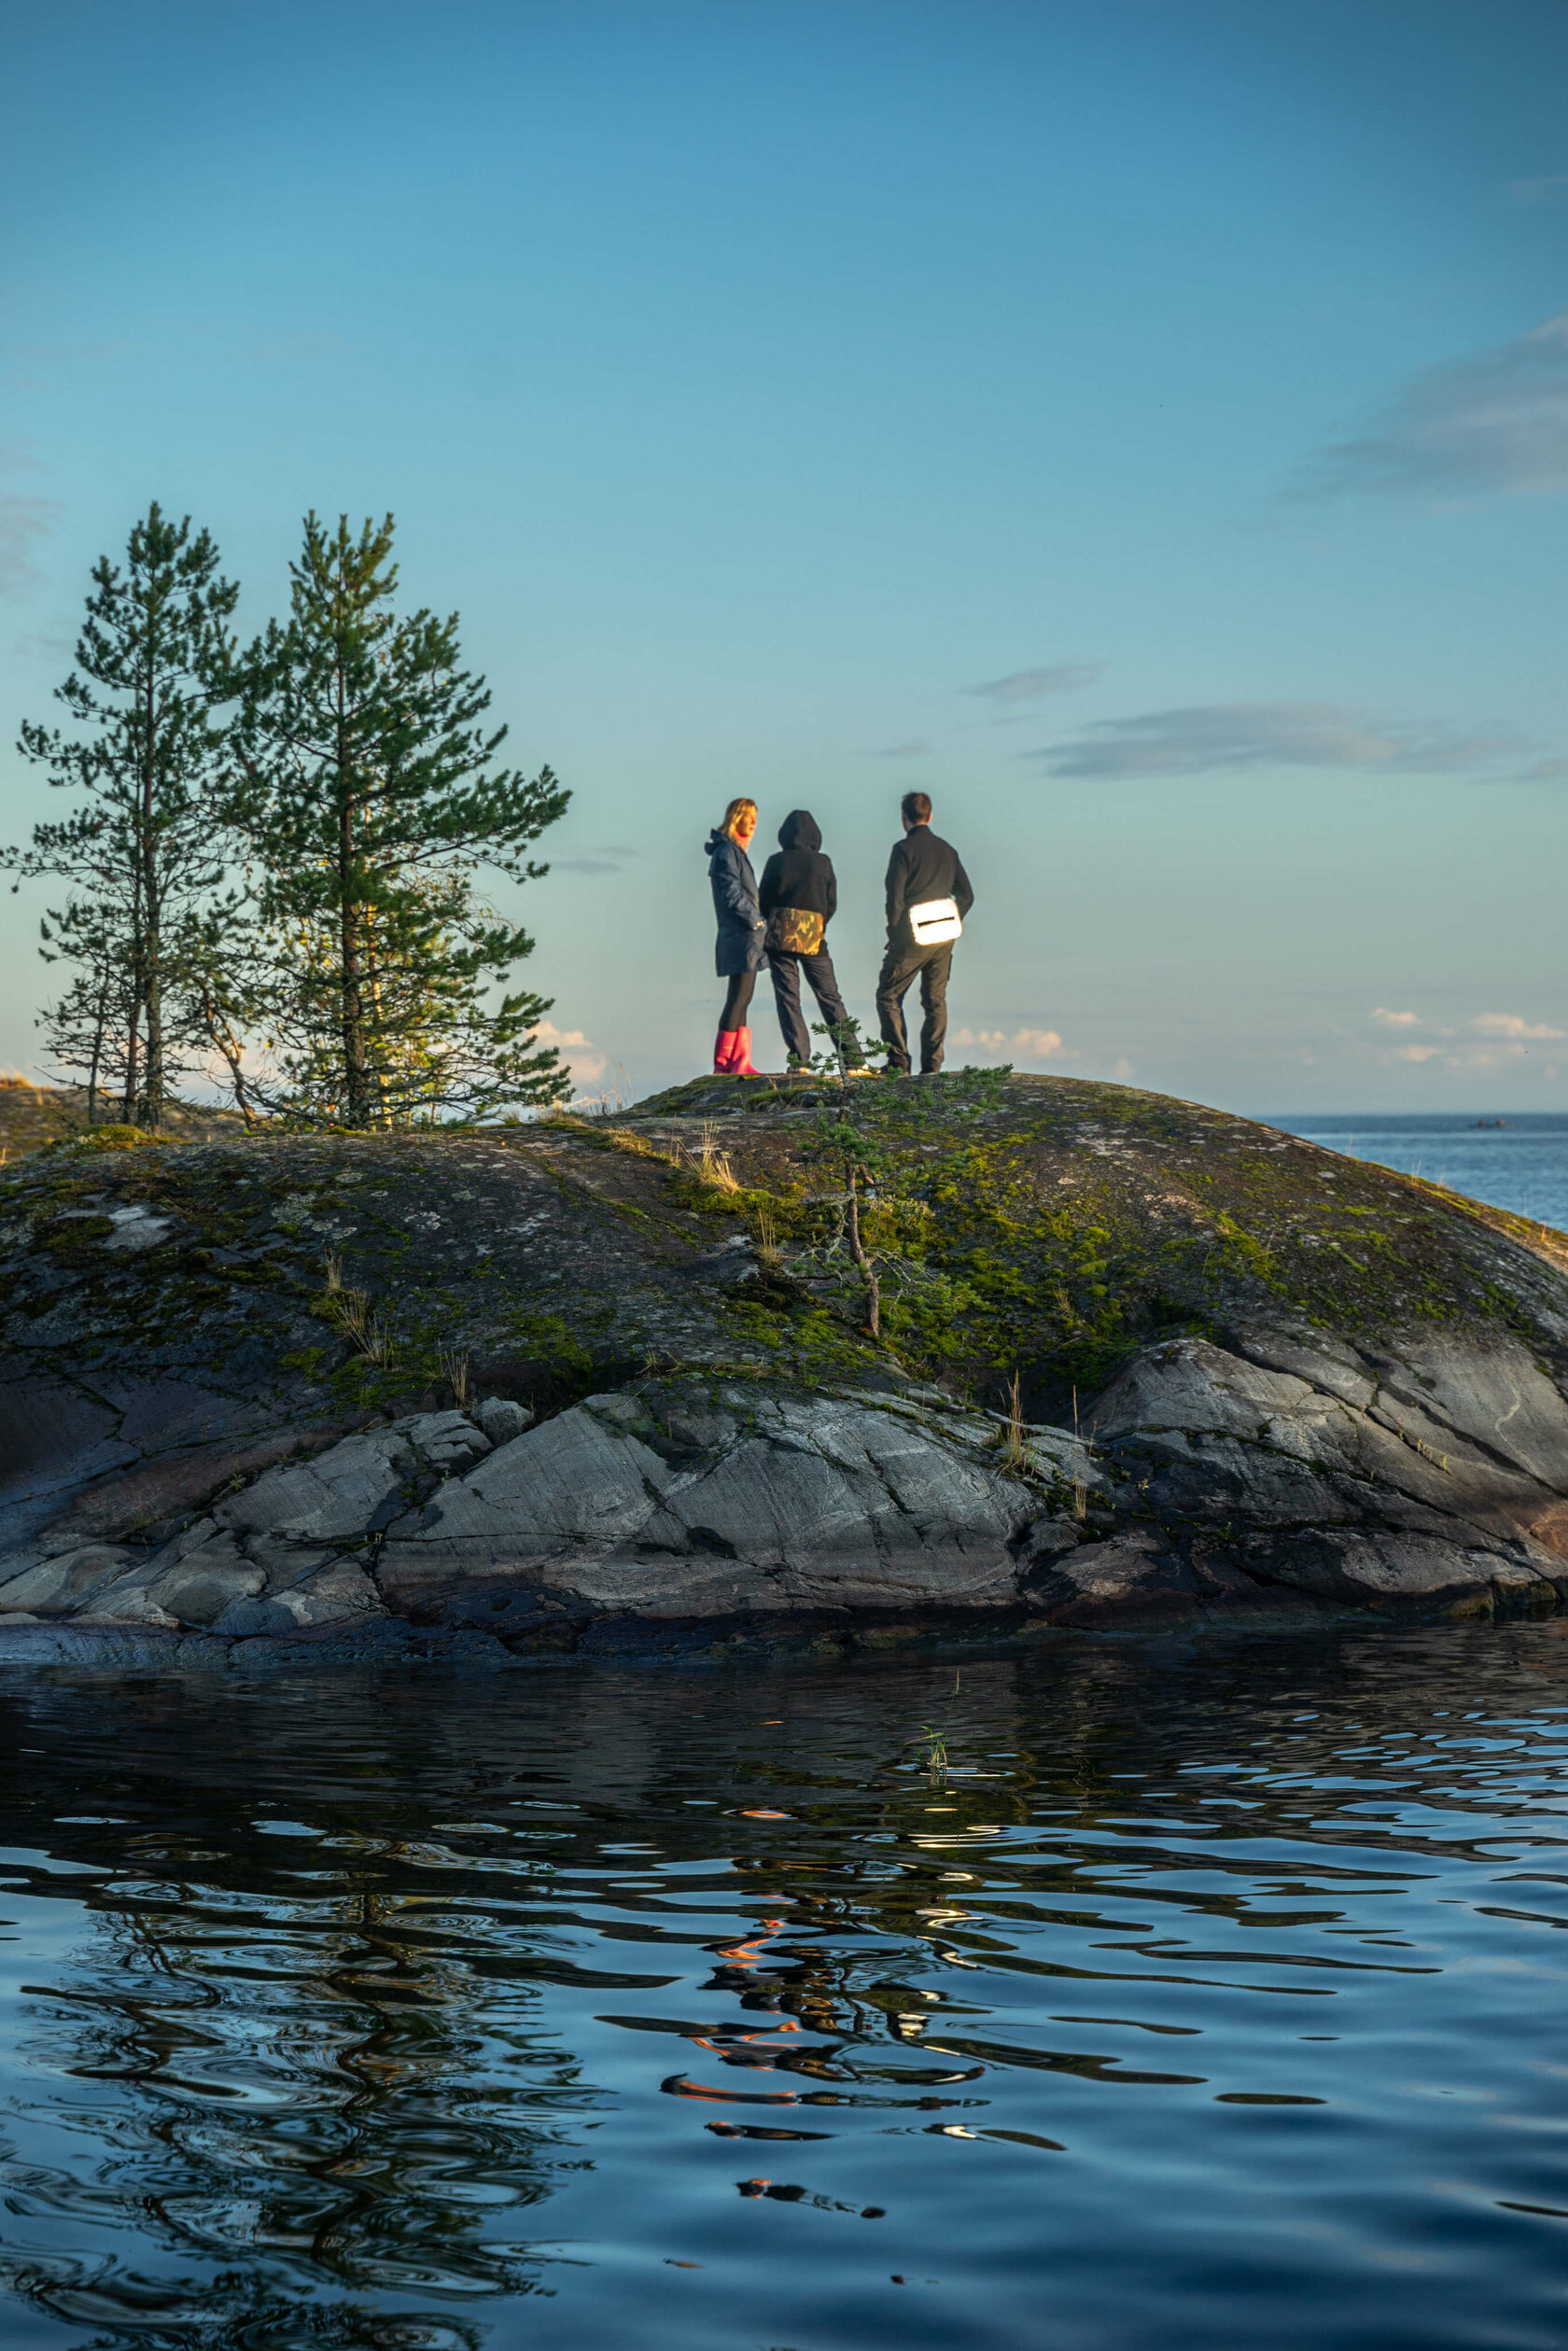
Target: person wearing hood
(799, 899)
(739, 955)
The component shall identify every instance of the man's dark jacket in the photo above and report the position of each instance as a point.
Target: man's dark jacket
(739, 946)
(797, 874)
(924, 866)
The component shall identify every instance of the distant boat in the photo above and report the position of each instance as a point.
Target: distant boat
(1491, 1122)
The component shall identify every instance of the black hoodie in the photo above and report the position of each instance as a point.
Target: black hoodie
(797, 874)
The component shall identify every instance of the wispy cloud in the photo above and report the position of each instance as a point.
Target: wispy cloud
(1518, 1031)
(36, 642)
(1487, 1040)
(1234, 738)
(1021, 1046)
(24, 523)
(581, 1055)
(1551, 189)
(602, 861)
(1496, 422)
(1032, 685)
(34, 367)
(905, 750)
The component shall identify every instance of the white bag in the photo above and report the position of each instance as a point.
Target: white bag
(935, 922)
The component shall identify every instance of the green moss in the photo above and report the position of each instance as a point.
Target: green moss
(77, 1240)
(102, 1138)
(1038, 1226)
(1052, 1226)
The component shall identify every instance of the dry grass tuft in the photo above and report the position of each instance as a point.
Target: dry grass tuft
(713, 1164)
(350, 1312)
(1012, 1434)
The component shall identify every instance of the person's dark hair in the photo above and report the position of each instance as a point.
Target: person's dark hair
(916, 807)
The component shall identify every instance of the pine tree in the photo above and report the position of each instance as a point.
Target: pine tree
(145, 852)
(369, 795)
(90, 1026)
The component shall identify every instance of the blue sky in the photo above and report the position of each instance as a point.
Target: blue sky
(1143, 426)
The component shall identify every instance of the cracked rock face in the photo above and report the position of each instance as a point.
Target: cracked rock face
(1333, 1477)
(1216, 1485)
(192, 1465)
(799, 1505)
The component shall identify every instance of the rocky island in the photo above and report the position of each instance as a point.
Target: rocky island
(608, 1385)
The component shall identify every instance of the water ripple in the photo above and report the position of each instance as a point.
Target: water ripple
(420, 2014)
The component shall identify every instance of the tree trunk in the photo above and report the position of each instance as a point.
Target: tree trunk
(153, 1085)
(128, 1099)
(357, 1088)
(223, 1037)
(150, 1104)
(96, 1059)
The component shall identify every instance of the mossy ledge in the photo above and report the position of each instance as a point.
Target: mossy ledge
(1140, 1363)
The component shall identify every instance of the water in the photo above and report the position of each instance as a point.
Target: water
(1213, 1999)
(1522, 1166)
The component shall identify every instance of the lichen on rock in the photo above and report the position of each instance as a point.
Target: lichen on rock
(579, 1384)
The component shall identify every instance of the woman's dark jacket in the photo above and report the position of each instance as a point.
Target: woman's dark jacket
(734, 903)
(797, 874)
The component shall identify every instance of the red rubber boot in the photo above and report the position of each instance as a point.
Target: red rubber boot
(726, 1052)
(741, 1066)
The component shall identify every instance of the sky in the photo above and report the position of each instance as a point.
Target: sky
(1142, 424)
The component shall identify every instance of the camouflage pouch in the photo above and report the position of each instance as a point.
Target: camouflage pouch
(795, 931)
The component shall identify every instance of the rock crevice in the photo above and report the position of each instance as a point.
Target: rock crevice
(212, 1464)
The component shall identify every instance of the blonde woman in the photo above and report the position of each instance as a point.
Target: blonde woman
(739, 953)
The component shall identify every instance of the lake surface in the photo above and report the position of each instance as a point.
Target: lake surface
(1212, 1999)
(1522, 1165)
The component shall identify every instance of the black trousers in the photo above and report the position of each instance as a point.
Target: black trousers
(818, 970)
(903, 964)
(737, 1003)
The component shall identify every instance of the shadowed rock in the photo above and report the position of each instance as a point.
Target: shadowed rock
(1300, 1384)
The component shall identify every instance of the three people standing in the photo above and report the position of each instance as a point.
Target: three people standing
(928, 895)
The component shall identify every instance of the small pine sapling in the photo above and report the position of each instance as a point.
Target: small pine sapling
(842, 1139)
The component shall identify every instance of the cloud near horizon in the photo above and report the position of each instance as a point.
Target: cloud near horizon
(1493, 424)
(1236, 737)
(583, 1059)
(1030, 685)
(1488, 1041)
(1015, 1045)
(1509, 1024)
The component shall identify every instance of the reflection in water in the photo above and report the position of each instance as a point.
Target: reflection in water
(1210, 1998)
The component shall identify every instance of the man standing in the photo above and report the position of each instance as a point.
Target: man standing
(928, 897)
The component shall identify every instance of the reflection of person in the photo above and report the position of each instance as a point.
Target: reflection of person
(799, 898)
(739, 949)
(928, 897)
